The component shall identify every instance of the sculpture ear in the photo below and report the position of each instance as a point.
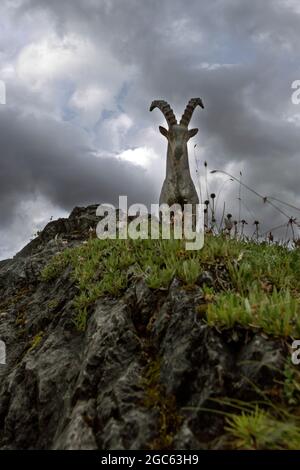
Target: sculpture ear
(163, 131)
(192, 132)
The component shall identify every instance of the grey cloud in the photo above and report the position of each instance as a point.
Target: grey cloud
(43, 156)
(246, 104)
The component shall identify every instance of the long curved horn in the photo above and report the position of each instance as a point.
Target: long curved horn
(187, 115)
(166, 110)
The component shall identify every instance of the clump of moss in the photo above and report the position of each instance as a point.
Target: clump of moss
(53, 304)
(34, 343)
(57, 265)
(21, 317)
(156, 398)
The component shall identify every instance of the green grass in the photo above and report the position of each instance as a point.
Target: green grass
(262, 424)
(276, 313)
(257, 285)
(259, 430)
(291, 384)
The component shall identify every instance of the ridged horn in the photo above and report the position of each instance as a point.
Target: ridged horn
(187, 115)
(166, 110)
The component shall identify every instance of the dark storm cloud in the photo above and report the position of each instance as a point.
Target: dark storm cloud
(43, 156)
(168, 40)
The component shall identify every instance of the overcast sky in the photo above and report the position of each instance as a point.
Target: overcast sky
(81, 74)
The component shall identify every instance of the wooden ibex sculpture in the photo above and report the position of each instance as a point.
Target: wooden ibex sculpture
(178, 186)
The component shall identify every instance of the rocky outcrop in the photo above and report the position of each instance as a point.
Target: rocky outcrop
(141, 376)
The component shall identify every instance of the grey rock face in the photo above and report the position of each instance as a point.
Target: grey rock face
(137, 378)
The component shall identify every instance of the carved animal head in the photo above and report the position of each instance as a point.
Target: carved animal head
(177, 134)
